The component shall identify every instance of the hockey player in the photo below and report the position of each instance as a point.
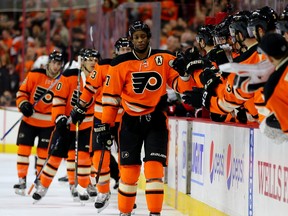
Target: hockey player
(34, 100)
(140, 78)
(93, 87)
(231, 99)
(275, 126)
(261, 21)
(62, 143)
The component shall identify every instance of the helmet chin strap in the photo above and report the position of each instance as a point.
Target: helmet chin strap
(85, 69)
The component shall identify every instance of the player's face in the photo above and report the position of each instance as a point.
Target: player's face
(140, 40)
(54, 67)
(123, 50)
(90, 63)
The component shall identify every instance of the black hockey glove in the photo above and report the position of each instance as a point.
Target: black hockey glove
(210, 80)
(78, 114)
(218, 55)
(241, 115)
(103, 135)
(273, 122)
(27, 109)
(61, 125)
(197, 98)
(194, 60)
(194, 65)
(192, 54)
(179, 64)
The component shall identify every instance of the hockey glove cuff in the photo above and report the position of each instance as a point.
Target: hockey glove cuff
(78, 114)
(103, 135)
(194, 97)
(179, 64)
(27, 109)
(61, 125)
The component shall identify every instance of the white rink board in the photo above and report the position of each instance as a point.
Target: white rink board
(171, 169)
(182, 140)
(7, 119)
(220, 168)
(270, 177)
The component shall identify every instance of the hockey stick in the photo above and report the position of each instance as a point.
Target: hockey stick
(40, 98)
(100, 164)
(77, 124)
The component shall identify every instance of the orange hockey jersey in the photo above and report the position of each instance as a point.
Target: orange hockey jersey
(32, 89)
(66, 96)
(232, 98)
(94, 87)
(275, 91)
(139, 84)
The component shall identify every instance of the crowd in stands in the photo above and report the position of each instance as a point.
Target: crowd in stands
(179, 21)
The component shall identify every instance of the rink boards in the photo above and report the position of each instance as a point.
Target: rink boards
(214, 169)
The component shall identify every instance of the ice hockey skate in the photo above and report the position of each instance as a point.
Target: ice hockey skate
(39, 193)
(82, 194)
(92, 191)
(74, 193)
(102, 201)
(20, 187)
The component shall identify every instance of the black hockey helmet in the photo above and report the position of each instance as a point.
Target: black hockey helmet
(56, 55)
(265, 17)
(274, 44)
(205, 32)
(283, 20)
(122, 42)
(139, 26)
(87, 53)
(221, 31)
(239, 23)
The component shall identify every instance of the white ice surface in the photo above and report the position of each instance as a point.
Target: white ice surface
(57, 201)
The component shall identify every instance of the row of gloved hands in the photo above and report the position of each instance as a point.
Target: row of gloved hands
(198, 97)
(188, 63)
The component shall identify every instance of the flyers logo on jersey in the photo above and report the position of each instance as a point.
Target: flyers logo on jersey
(40, 91)
(150, 80)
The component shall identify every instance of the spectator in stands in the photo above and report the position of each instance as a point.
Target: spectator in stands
(173, 43)
(4, 80)
(5, 42)
(59, 28)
